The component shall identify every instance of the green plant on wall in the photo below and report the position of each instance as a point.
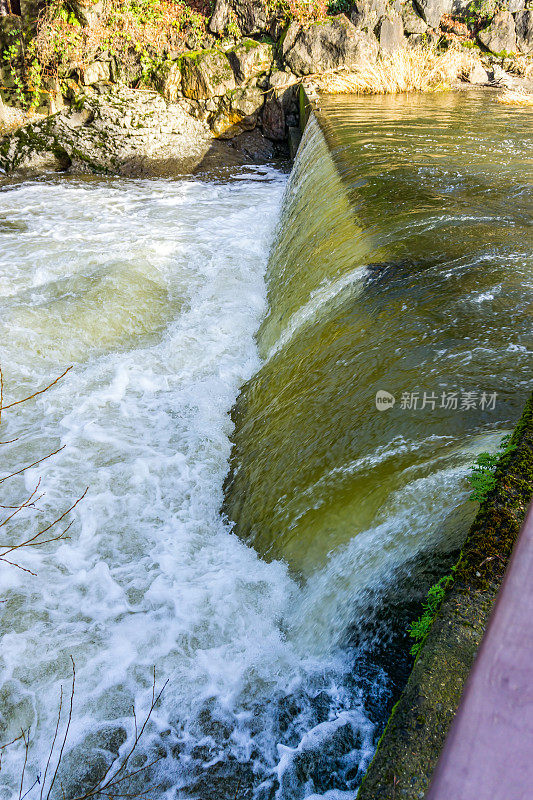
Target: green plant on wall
(482, 480)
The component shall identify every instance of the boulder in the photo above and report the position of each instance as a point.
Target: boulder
(524, 30)
(250, 58)
(274, 119)
(500, 35)
(284, 86)
(328, 44)
(432, 10)
(126, 132)
(220, 16)
(167, 80)
(390, 34)
(96, 72)
(253, 16)
(205, 74)
(514, 6)
(412, 21)
(478, 75)
(87, 11)
(367, 13)
(238, 112)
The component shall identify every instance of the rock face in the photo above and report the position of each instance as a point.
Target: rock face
(253, 16)
(432, 10)
(126, 132)
(524, 31)
(320, 46)
(238, 112)
(412, 22)
(500, 35)
(250, 58)
(367, 13)
(390, 33)
(206, 74)
(168, 80)
(87, 11)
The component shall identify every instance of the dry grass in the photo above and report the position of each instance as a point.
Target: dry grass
(417, 69)
(517, 97)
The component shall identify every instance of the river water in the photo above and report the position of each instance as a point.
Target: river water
(401, 262)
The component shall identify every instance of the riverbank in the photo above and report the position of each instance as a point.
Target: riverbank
(413, 739)
(154, 88)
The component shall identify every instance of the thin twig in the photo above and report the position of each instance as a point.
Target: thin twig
(66, 729)
(35, 394)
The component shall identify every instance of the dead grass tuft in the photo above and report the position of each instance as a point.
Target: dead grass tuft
(406, 70)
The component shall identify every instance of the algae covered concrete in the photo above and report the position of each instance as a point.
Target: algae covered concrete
(413, 739)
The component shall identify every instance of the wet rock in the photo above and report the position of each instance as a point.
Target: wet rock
(326, 45)
(238, 112)
(205, 74)
(168, 80)
(390, 34)
(524, 31)
(432, 10)
(95, 72)
(274, 119)
(500, 35)
(125, 132)
(412, 22)
(250, 58)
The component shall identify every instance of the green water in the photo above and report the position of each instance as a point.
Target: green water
(403, 262)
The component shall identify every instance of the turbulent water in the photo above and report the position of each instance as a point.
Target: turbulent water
(401, 263)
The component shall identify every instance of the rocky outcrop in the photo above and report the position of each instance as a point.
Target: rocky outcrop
(412, 22)
(432, 10)
(125, 132)
(390, 34)
(321, 46)
(500, 35)
(252, 16)
(524, 31)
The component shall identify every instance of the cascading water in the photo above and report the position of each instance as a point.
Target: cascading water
(400, 263)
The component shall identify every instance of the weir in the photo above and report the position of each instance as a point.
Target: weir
(402, 263)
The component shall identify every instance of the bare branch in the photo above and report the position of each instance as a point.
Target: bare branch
(25, 504)
(28, 466)
(53, 742)
(66, 729)
(35, 394)
(32, 540)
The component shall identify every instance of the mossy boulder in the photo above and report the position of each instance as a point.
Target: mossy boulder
(205, 74)
(250, 58)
